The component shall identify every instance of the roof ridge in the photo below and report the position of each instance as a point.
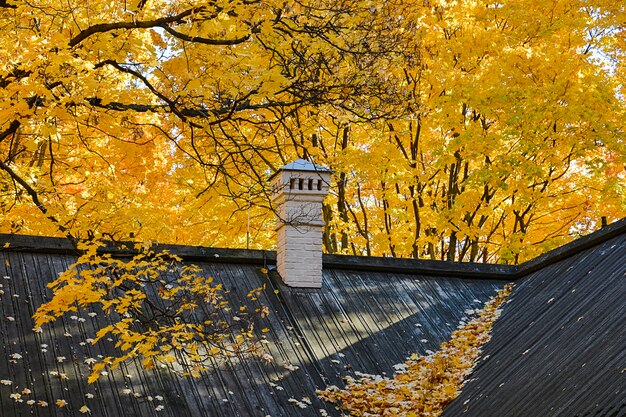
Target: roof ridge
(29, 243)
(572, 248)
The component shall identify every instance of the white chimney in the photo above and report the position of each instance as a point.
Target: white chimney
(299, 189)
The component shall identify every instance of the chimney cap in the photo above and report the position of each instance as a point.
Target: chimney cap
(302, 165)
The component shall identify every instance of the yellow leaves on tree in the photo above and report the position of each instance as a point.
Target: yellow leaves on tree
(456, 130)
(506, 145)
(159, 311)
(425, 384)
(104, 105)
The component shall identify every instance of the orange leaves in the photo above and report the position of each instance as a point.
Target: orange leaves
(95, 371)
(423, 385)
(489, 157)
(167, 314)
(457, 114)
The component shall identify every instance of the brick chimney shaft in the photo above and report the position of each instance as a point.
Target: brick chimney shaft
(299, 191)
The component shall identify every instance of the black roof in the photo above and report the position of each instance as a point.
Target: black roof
(362, 320)
(564, 323)
(559, 348)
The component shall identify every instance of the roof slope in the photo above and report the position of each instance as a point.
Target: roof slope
(360, 321)
(559, 348)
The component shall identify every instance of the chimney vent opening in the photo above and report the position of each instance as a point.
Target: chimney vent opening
(301, 184)
(319, 185)
(310, 183)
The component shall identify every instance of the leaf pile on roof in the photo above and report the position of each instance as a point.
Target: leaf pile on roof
(423, 385)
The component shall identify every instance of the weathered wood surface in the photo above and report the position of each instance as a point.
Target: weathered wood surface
(559, 348)
(359, 321)
(555, 352)
(48, 245)
(37, 244)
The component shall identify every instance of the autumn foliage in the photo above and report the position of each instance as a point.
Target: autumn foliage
(456, 130)
(158, 310)
(424, 385)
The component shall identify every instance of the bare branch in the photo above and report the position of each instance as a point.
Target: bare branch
(107, 27)
(35, 197)
(206, 41)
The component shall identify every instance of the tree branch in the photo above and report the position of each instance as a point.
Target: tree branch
(3, 4)
(206, 41)
(15, 124)
(107, 27)
(17, 74)
(189, 112)
(35, 197)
